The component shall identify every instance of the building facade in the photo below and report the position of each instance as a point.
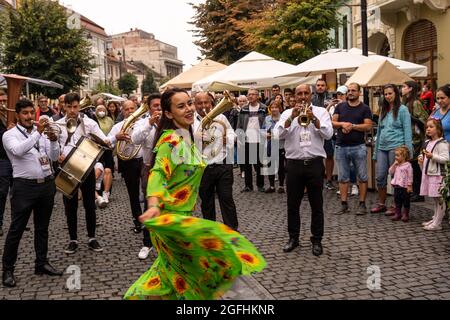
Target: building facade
(138, 45)
(412, 30)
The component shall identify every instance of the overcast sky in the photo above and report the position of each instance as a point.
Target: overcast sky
(166, 19)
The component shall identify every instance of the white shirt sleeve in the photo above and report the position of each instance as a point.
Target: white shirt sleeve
(279, 131)
(141, 132)
(114, 131)
(20, 148)
(326, 126)
(52, 149)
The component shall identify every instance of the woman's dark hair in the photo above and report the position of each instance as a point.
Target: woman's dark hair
(385, 108)
(71, 97)
(445, 89)
(22, 104)
(166, 123)
(412, 96)
(116, 112)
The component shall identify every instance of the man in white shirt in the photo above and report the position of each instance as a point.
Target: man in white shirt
(33, 190)
(218, 175)
(143, 134)
(250, 121)
(85, 126)
(305, 168)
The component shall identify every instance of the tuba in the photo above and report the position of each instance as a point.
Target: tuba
(303, 119)
(85, 103)
(128, 150)
(210, 125)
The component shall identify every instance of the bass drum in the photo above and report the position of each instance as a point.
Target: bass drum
(78, 165)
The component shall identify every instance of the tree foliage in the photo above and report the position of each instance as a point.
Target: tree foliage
(128, 83)
(148, 84)
(292, 31)
(107, 88)
(39, 44)
(216, 23)
(288, 30)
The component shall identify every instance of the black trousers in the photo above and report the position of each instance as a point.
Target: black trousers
(281, 164)
(300, 174)
(252, 152)
(417, 176)
(144, 180)
(131, 173)
(218, 179)
(29, 196)
(401, 198)
(71, 208)
(5, 183)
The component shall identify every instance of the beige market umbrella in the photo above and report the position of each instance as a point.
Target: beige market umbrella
(204, 69)
(378, 73)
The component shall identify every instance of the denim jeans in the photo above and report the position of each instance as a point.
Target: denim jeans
(348, 155)
(384, 160)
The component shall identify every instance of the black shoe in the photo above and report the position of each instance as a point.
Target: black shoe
(417, 198)
(362, 210)
(1, 231)
(291, 245)
(95, 246)
(8, 279)
(344, 209)
(270, 190)
(247, 189)
(261, 189)
(280, 189)
(71, 248)
(48, 270)
(317, 249)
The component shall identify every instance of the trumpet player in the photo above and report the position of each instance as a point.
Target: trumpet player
(305, 155)
(33, 188)
(68, 141)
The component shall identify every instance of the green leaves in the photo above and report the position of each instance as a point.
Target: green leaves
(148, 85)
(288, 30)
(128, 83)
(37, 43)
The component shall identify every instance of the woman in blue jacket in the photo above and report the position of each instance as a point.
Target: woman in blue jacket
(394, 130)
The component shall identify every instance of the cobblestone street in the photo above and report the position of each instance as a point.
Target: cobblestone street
(413, 263)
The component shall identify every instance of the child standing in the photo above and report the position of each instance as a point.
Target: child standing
(433, 162)
(402, 180)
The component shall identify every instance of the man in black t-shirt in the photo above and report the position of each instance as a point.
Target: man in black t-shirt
(352, 119)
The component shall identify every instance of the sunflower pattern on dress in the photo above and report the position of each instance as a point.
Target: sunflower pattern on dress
(197, 259)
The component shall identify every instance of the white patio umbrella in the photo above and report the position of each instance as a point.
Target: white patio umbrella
(255, 70)
(204, 69)
(341, 60)
(333, 60)
(411, 69)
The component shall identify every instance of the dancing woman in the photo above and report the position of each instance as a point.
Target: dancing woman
(197, 259)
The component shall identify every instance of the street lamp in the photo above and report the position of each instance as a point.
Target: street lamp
(120, 64)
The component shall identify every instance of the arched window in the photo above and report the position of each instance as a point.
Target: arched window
(420, 46)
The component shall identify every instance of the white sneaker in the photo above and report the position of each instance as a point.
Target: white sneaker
(106, 196)
(243, 175)
(145, 251)
(100, 202)
(432, 227)
(427, 223)
(355, 190)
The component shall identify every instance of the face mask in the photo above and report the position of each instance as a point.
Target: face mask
(101, 114)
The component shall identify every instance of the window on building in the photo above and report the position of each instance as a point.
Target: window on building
(420, 46)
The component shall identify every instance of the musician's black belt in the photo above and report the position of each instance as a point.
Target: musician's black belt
(306, 162)
(38, 181)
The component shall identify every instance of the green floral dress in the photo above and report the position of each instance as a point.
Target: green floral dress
(197, 258)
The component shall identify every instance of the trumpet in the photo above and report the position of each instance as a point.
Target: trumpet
(303, 119)
(53, 127)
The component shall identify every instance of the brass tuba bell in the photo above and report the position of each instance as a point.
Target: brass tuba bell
(85, 103)
(128, 150)
(210, 125)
